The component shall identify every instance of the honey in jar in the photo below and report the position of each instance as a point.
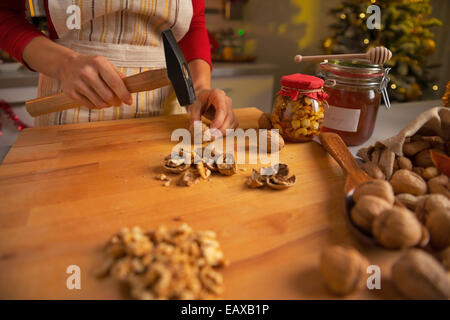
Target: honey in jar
(298, 111)
(354, 91)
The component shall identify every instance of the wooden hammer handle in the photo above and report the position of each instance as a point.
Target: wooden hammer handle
(143, 81)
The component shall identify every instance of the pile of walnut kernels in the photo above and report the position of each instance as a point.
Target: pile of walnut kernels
(166, 264)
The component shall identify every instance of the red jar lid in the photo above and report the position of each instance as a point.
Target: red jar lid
(302, 81)
(297, 83)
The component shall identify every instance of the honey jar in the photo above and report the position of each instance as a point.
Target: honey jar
(298, 112)
(354, 91)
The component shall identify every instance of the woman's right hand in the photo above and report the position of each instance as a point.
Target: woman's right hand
(92, 81)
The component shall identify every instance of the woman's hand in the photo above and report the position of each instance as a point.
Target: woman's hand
(90, 80)
(93, 81)
(215, 105)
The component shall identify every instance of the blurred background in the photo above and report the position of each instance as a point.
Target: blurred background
(253, 43)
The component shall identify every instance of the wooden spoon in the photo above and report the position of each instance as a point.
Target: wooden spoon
(378, 55)
(355, 176)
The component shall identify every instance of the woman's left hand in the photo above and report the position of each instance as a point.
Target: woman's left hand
(215, 105)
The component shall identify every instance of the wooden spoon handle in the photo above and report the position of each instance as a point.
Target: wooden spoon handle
(336, 147)
(143, 81)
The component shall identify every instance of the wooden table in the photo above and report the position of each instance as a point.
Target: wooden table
(65, 190)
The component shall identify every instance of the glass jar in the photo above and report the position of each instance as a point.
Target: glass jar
(298, 111)
(354, 91)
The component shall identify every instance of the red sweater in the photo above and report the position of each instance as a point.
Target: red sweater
(16, 32)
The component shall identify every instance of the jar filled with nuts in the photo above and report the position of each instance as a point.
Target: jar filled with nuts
(298, 112)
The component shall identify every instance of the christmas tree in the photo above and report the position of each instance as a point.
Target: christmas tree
(405, 29)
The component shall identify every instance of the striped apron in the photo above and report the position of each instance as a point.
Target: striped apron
(128, 34)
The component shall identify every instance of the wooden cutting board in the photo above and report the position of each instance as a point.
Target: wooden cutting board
(65, 190)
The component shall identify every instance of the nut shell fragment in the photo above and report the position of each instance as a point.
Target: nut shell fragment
(275, 182)
(255, 180)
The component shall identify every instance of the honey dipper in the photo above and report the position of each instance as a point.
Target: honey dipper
(377, 55)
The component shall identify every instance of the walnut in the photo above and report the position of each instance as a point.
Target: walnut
(397, 228)
(343, 269)
(417, 275)
(373, 170)
(430, 203)
(445, 258)
(182, 264)
(204, 136)
(379, 188)
(189, 178)
(264, 121)
(366, 210)
(430, 173)
(412, 148)
(440, 185)
(271, 136)
(404, 163)
(438, 224)
(203, 171)
(405, 181)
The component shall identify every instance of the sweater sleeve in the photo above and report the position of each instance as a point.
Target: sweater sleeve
(195, 44)
(15, 30)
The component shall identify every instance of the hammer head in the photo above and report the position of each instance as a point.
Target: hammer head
(177, 70)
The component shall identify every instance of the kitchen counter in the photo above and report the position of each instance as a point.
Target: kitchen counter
(65, 190)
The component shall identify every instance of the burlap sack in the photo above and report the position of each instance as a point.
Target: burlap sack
(433, 122)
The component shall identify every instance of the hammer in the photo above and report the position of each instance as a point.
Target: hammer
(177, 73)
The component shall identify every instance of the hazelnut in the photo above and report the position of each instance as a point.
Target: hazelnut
(366, 210)
(404, 163)
(379, 188)
(412, 148)
(343, 269)
(430, 203)
(439, 184)
(405, 181)
(264, 121)
(438, 224)
(417, 275)
(373, 170)
(397, 228)
(430, 173)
